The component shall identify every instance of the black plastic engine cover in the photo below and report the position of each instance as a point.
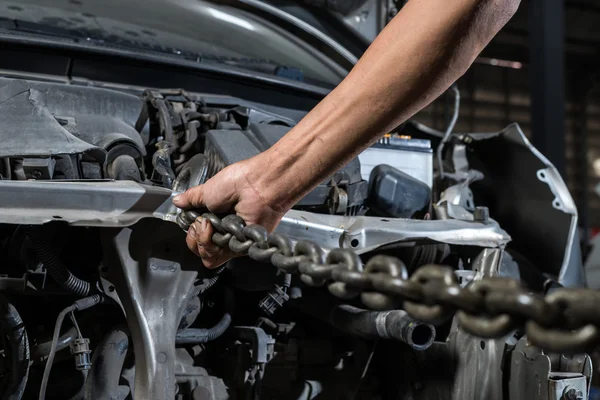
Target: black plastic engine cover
(393, 193)
(232, 144)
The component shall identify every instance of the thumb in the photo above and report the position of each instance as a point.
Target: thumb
(191, 198)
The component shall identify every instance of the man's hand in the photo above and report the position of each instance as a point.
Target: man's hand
(231, 190)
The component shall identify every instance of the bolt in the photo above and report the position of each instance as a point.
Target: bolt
(35, 174)
(481, 214)
(572, 394)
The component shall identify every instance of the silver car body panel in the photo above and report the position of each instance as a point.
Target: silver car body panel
(124, 203)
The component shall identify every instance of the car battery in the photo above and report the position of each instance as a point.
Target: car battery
(411, 156)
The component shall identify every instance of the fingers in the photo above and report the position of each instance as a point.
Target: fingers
(204, 237)
(199, 241)
(191, 198)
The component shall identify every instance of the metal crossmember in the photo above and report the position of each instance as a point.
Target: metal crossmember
(564, 321)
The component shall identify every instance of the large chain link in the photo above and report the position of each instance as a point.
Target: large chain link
(564, 321)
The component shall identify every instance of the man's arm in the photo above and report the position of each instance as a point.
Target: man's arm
(421, 52)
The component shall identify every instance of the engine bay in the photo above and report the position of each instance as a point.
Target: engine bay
(88, 175)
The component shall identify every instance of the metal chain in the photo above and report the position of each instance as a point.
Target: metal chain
(564, 321)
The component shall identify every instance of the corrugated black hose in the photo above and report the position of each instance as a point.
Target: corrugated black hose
(197, 290)
(194, 336)
(53, 265)
(210, 282)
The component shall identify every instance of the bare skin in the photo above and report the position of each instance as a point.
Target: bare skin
(421, 52)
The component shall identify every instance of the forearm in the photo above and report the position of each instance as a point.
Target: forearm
(421, 52)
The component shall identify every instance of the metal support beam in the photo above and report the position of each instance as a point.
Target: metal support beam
(547, 36)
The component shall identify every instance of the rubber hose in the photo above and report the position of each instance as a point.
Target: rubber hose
(54, 266)
(220, 328)
(85, 303)
(107, 364)
(194, 336)
(43, 349)
(440, 148)
(395, 324)
(124, 168)
(165, 121)
(14, 329)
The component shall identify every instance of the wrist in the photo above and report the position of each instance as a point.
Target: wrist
(278, 178)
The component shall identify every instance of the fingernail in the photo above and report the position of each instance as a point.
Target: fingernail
(177, 198)
(204, 224)
(192, 229)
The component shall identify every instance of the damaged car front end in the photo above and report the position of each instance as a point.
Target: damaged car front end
(99, 286)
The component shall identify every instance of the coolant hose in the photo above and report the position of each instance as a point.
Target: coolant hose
(124, 168)
(43, 349)
(107, 364)
(194, 336)
(18, 353)
(394, 324)
(64, 340)
(54, 266)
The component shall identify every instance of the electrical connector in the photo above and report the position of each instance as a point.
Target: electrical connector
(80, 349)
(274, 300)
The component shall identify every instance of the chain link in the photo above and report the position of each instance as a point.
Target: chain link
(565, 321)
